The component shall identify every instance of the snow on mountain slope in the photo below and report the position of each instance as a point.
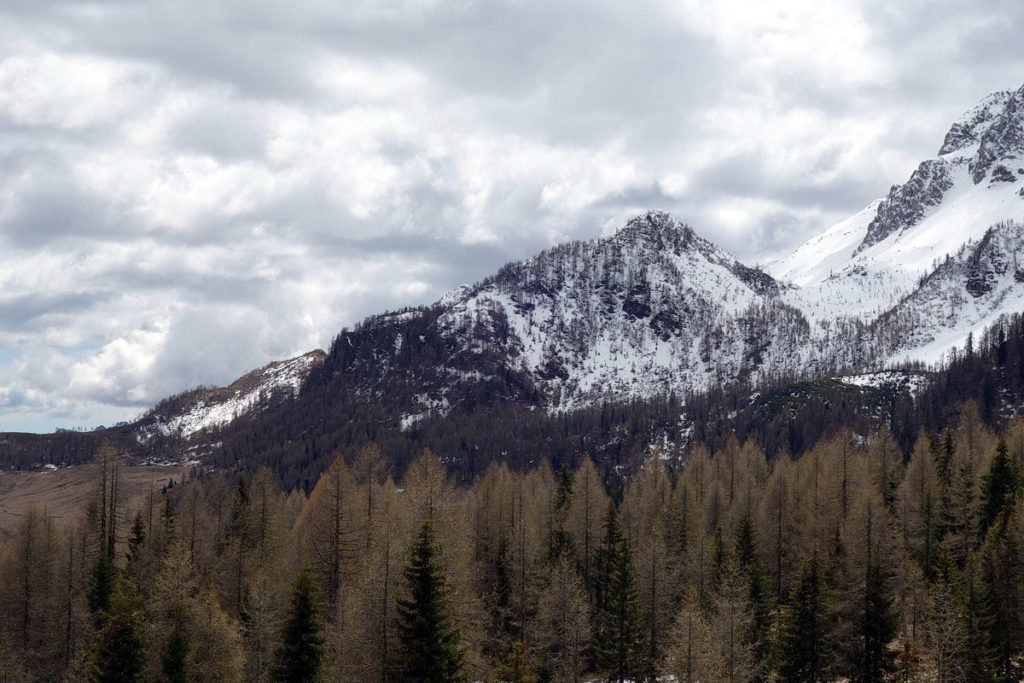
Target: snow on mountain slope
(873, 261)
(965, 213)
(654, 308)
(965, 294)
(941, 216)
(205, 408)
(909, 381)
(827, 253)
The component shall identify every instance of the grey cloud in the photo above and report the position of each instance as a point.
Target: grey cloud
(209, 345)
(745, 175)
(21, 310)
(220, 132)
(51, 206)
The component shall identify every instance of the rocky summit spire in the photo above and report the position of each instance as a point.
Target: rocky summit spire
(985, 147)
(968, 129)
(1001, 146)
(656, 225)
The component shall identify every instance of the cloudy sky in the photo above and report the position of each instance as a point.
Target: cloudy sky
(191, 189)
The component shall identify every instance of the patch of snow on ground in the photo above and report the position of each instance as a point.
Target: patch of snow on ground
(911, 381)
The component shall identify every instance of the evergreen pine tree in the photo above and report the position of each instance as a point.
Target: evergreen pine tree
(428, 640)
(605, 555)
(136, 540)
(803, 633)
(502, 617)
(174, 660)
(564, 493)
(942, 451)
(561, 542)
(101, 587)
(762, 603)
(168, 521)
(620, 644)
(300, 653)
(745, 545)
(759, 592)
(118, 654)
(238, 539)
(931, 533)
(1000, 483)
(720, 558)
(878, 626)
(1004, 578)
(977, 656)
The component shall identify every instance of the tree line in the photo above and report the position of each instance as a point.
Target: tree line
(851, 562)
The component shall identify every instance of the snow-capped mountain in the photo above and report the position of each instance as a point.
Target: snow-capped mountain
(207, 408)
(877, 260)
(654, 308)
(657, 309)
(651, 310)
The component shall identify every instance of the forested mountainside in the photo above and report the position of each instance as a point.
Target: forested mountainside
(785, 417)
(848, 563)
(297, 438)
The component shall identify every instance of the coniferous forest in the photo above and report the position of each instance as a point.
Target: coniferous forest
(851, 562)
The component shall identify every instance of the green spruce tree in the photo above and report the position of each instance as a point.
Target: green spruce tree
(561, 543)
(119, 653)
(429, 649)
(1001, 482)
(604, 557)
(803, 646)
(759, 593)
(878, 627)
(136, 541)
(620, 644)
(1003, 572)
(101, 587)
(300, 654)
(978, 660)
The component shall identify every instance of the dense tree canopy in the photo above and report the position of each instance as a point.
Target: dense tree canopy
(849, 562)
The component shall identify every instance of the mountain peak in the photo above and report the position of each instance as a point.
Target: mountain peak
(968, 129)
(987, 142)
(655, 224)
(1001, 141)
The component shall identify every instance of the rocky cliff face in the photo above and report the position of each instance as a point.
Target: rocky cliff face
(906, 204)
(970, 127)
(1000, 153)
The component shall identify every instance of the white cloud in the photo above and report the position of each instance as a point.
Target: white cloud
(40, 88)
